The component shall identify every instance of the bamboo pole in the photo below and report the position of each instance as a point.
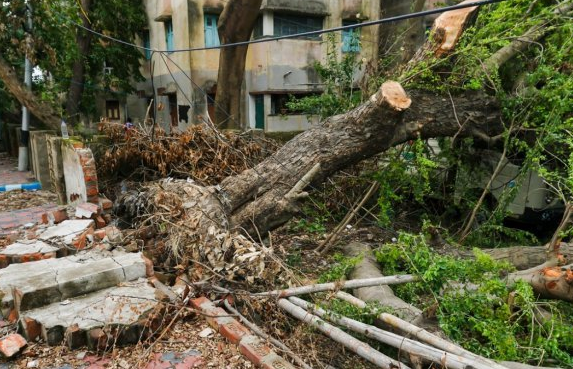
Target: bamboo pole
(421, 334)
(333, 286)
(360, 348)
(410, 346)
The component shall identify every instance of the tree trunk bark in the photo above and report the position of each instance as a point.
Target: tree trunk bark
(524, 257)
(40, 110)
(383, 294)
(552, 282)
(257, 196)
(83, 40)
(235, 25)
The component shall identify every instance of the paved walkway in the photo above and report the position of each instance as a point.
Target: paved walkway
(17, 218)
(9, 173)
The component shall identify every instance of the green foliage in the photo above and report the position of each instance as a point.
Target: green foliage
(52, 46)
(475, 307)
(340, 270)
(339, 95)
(342, 308)
(407, 174)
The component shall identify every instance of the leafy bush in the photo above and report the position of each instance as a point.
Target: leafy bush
(475, 307)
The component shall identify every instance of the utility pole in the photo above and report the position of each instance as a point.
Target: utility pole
(25, 132)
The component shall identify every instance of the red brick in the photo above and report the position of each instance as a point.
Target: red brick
(12, 344)
(75, 337)
(80, 242)
(105, 204)
(32, 329)
(254, 349)
(196, 303)
(100, 222)
(97, 339)
(45, 218)
(99, 234)
(13, 315)
(60, 215)
(233, 331)
(148, 267)
(4, 261)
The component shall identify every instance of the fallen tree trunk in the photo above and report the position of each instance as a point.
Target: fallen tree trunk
(368, 268)
(40, 110)
(390, 117)
(552, 282)
(524, 257)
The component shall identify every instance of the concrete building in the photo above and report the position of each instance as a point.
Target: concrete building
(185, 83)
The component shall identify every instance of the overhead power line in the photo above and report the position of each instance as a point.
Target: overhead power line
(304, 34)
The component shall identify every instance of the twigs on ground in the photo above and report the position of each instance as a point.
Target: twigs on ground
(331, 239)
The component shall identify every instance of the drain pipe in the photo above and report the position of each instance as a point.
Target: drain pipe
(25, 132)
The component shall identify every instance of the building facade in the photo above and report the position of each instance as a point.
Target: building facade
(184, 84)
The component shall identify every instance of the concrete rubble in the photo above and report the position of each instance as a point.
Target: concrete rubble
(62, 285)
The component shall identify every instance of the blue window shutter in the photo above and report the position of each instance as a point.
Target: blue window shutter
(147, 44)
(169, 35)
(211, 32)
(351, 40)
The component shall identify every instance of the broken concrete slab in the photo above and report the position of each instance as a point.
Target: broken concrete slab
(26, 251)
(11, 345)
(67, 230)
(87, 210)
(118, 314)
(31, 285)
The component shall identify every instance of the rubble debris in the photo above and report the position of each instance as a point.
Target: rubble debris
(26, 251)
(31, 285)
(252, 347)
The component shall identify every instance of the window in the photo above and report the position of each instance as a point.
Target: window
(285, 25)
(279, 103)
(112, 109)
(350, 38)
(169, 35)
(211, 32)
(258, 29)
(146, 43)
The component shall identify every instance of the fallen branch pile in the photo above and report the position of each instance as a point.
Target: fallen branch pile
(201, 153)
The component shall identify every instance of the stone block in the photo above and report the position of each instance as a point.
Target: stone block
(40, 157)
(31, 285)
(114, 315)
(12, 344)
(25, 251)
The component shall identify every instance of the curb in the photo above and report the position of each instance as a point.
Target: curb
(251, 346)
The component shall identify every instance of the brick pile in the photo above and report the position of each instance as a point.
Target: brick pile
(251, 346)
